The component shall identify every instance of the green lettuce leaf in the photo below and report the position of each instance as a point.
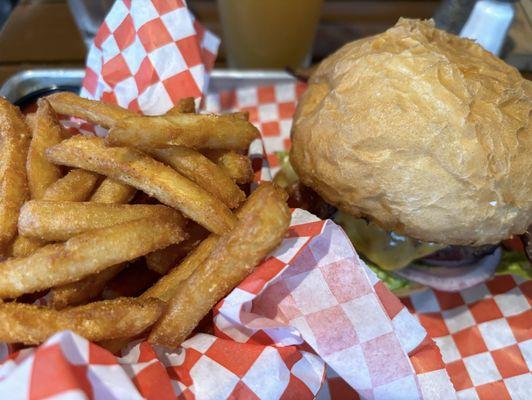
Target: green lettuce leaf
(515, 263)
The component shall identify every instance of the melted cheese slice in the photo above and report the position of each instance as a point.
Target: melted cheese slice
(388, 250)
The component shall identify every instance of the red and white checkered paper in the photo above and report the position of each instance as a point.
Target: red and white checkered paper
(148, 54)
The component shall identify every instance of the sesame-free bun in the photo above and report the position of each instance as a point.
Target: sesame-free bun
(421, 131)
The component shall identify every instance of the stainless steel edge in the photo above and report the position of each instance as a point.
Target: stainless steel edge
(30, 81)
(26, 82)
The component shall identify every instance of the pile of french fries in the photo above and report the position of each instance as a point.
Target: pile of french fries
(140, 233)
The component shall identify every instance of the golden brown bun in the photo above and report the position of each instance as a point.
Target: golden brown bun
(424, 132)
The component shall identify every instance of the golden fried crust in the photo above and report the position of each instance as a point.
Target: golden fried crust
(421, 131)
(46, 132)
(112, 191)
(32, 325)
(14, 142)
(96, 112)
(199, 131)
(202, 171)
(80, 292)
(262, 224)
(55, 221)
(237, 166)
(136, 169)
(86, 254)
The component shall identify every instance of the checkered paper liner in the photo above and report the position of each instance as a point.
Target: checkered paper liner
(148, 54)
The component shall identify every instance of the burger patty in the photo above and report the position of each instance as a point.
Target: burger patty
(458, 256)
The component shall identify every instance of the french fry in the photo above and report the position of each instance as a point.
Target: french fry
(186, 106)
(161, 261)
(46, 132)
(134, 168)
(167, 286)
(202, 171)
(96, 112)
(199, 131)
(111, 191)
(23, 246)
(86, 289)
(77, 185)
(262, 224)
(55, 221)
(237, 166)
(80, 292)
(14, 142)
(86, 254)
(32, 324)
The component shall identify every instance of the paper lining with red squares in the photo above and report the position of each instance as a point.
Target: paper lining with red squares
(485, 336)
(149, 54)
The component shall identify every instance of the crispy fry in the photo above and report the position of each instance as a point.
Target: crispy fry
(23, 246)
(32, 325)
(96, 112)
(60, 220)
(77, 185)
(166, 287)
(134, 168)
(199, 131)
(46, 132)
(14, 142)
(237, 166)
(161, 261)
(202, 171)
(262, 224)
(186, 106)
(80, 292)
(86, 254)
(111, 191)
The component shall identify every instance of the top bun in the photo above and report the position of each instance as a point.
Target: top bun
(421, 131)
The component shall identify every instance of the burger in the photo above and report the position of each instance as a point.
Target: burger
(422, 143)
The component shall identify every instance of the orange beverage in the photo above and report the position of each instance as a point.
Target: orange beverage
(268, 33)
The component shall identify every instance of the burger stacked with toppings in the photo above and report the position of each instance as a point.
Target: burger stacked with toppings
(422, 141)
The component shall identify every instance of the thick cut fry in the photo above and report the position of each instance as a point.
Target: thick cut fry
(199, 131)
(46, 132)
(186, 106)
(111, 191)
(32, 325)
(14, 142)
(237, 166)
(262, 224)
(86, 254)
(96, 112)
(23, 246)
(55, 221)
(80, 292)
(134, 168)
(161, 261)
(202, 171)
(167, 286)
(77, 185)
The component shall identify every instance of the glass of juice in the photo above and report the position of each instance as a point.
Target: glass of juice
(269, 34)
